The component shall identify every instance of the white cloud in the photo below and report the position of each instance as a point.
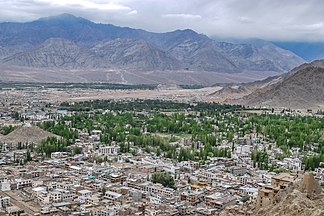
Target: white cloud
(133, 12)
(307, 27)
(87, 4)
(244, 19)
(182, 16)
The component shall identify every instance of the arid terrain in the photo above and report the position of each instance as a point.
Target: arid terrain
(60, 95)
(26, 134)
(179, 77)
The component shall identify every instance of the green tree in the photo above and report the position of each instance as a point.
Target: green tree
(28, 156)
(163, 178)
(76, 150)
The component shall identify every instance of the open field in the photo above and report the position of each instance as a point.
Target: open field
(184, 77)
(60, 95)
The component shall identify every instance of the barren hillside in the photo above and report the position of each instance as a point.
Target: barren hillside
(26, 134)
(302, 89)
(304, 198)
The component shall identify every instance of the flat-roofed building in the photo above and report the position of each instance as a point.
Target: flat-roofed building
(219, 200)
(113, 196)
(267, 195)
(4, 202)
(108, 150)
(282, 180)
(22, 183)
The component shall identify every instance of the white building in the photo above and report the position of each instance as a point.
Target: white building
(56, 196)
(85, 193)
(249, 191)
(108, 150)
(21, 183)
(57, 154)
(4, 202)
(112, 195)
(154, 189)
(243, 150)
(96, 132)
(291, 163)
(319, 173)
(41, 195)
(5, 186)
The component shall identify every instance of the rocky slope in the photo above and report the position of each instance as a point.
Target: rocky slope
(54, 52)
(304, 198)
(232, 91)
(308, 50)
(262, 56)
(301, 88)
(70, 42)
(26, 134)
(132, 54)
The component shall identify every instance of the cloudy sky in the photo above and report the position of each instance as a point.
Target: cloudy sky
(265, 19)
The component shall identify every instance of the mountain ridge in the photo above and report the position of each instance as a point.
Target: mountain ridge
(302, 87)
(27, 45)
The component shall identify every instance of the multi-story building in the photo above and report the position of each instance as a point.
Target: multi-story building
(5, 186)
(4, 202)
(22, 183)
(267, 195)
(219, 200)
(113, 196)
(192, 197)
(108, 150)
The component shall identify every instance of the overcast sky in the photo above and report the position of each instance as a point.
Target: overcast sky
(265, 19)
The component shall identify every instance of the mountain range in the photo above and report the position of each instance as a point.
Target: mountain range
(308, 50)
(132, 56)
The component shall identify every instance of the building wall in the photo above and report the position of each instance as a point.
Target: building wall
(5, 186)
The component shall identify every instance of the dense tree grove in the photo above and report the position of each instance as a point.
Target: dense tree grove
(145, 105)
(61, 129)
(260, 159)
(76, 150)
(313, 162)
(290, 131)
(163, 178)
(52, 144)
(17, 116)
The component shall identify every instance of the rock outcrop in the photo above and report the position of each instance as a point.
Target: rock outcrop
(309, 185)
(303, 198)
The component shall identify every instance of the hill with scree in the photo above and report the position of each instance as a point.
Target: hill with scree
(26, 134)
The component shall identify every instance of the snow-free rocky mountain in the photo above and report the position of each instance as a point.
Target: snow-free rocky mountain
(66, 42)
(301, 88)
